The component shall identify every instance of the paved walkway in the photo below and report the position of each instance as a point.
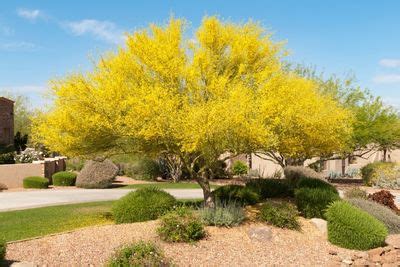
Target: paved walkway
(42, 198)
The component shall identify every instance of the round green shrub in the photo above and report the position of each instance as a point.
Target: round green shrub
(280, 214)
(390, 219)
(224, 214)
(181, 225)
(3, 247)
(315, 183)
(239, 168)
(144, 204)
(35, 182)
(295, 173)
(313, 202)
(353, 228)
(236, 193)
(270, 188)
(356, 193)
(138, 254)
(64, 178)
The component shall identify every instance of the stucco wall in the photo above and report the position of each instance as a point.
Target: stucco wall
(12, 175)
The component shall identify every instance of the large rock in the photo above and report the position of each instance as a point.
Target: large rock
(97, 174)
(321, 225)
(260, 234)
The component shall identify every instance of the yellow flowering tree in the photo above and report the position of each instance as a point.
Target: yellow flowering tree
(195, 100)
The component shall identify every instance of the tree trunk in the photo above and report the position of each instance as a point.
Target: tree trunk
(384, 154)
(343, 166)
(209, 200)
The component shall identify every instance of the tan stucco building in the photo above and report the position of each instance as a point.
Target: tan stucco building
(6, 121)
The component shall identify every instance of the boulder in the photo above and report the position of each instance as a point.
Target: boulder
(260, 234)
(321, 225)
(97, 174)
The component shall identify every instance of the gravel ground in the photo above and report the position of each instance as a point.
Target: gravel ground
(223, 247)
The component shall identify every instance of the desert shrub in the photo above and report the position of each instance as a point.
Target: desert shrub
(138, 254)
(3, 247)
(29, 155)
(353, 228)
(295, 173)
(35, 182)
(380, 212)
(239, 168)
(312, 202)
(181, 225)
(74, 164)
(224, 214)
(97, 174)
(64, 178)
(144, 204)
(7, 158)
(280, 214)
(138, 168)
(382, 174)
(237, 194)
(356, 193)
(270, 188)
(385, 198)
(315, 183)
(3, 187)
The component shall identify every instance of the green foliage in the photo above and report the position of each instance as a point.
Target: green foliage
(141, 168)
(3, 247)
(35, 182)
(312, 202)
(355, 193)
(145, 204)
(224, 214)
(20, 142)
(270, 188)
(315, 183)
(353, 228)
(181, 225)
(239, 168)
(237, 194)
(75, 164)
(280, 214)
(7, 158)
(138, 254)
(390, 219)
(64, 178)
(295, 173)
(381, 174)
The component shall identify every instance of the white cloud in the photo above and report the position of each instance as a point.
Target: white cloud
(387, 78)
(390, 62)
(7, 31)
(103, 30)
(17, 46)
(30, 14)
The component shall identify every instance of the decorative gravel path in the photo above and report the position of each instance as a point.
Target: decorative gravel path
(223, 247)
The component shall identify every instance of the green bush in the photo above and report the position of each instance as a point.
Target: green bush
(382, 174)
(3, 247)
(312, 202)
(280, 214)
(295, 173)
(239, 168)
(75, 164)
(315, 183)
(353, 228)
(390, 219)
(181, 225)
(237, 194)
(270, 188)
(224, 214)
(144, 204)
(35, 182)
(356, 193)
(64, 178)
(138, 254)
(7, 158)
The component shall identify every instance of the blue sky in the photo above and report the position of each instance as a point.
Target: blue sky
(41, 40)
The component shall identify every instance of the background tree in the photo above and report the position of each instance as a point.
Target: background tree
(202, 101)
